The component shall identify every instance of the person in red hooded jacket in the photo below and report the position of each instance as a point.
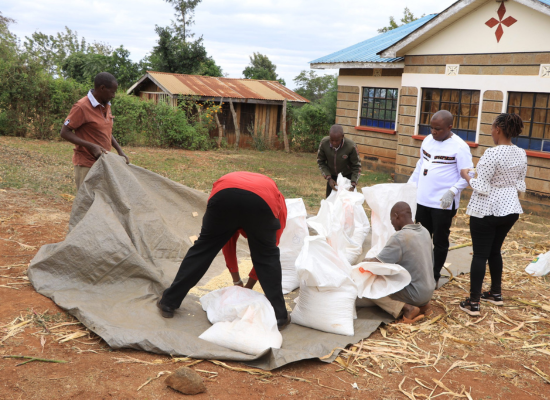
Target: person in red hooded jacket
(239, 201)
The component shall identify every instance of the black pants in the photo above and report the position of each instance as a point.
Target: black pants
(226, 212)
(334, 177)
(488, 234)
(438, 222)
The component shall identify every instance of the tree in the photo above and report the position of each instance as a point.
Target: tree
(210, 68)
(172, 54)
(311, 86)
(8, 41)
(408, 16)
(261, 67)
(185, 10)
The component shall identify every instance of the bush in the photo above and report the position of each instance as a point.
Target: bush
(144, 123)
(310, 124)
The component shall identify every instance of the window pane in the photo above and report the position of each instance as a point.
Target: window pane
(393, 115)
(538, 131)
(547, 132)
(540, 115)
(388, 104)
(364, 112)
(375, 113)
(455, 96)
(527, 99)
(394, 105)
(525, 114)
(425, 118)
(474, 110)
(465, 110)
(454, 110)
(377, 93)
(383, 93)
(394, 93)
(446, 95)
(526, 128)
(434, 108)
(426, 106)
(515, 99)
(475, 97)
(369, 113)
(382, 114)
(436, 95)
(427, 94)
(466, 96)
(541, 100)
(473, 124)
(377, 103)
(513, 110)
(463, 123)
(371, 93)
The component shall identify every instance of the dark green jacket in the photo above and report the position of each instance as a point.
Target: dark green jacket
(345, 161)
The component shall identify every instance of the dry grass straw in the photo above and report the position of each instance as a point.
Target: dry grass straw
(520, 329)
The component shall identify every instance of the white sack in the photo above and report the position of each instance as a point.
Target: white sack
(292, 241)
(319, 265)
(540, 266)
(376, 280)
(342, 219)
(243, 319)
(326, 309)
(381, 198)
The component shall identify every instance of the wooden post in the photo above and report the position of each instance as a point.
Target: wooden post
(283, 126)
(266, 132)
(220, 129)
(237, 132)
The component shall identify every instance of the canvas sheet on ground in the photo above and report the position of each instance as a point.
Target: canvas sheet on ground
(129, 230)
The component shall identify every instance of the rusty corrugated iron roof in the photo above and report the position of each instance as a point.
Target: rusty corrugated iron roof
(207, 86)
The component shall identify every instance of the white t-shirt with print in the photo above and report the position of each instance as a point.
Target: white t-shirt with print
(438, 170)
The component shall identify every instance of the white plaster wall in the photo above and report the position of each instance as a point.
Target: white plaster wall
(470, 35)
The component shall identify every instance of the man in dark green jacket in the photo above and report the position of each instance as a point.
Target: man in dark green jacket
(338, 155)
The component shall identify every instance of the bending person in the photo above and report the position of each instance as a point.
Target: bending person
(494, 207)
(239, 200)
(410, 247)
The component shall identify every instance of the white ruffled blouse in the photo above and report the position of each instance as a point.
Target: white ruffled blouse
(500, 176)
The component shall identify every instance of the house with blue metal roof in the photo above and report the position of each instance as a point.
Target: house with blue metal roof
(476, 59)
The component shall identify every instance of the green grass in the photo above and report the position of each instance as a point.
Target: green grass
(45, 167)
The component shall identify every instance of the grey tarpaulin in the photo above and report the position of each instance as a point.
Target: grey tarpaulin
(128, 232)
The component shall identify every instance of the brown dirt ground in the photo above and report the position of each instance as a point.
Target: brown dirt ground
(28, 221)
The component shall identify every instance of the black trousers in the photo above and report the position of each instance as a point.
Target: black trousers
(438, 222)
(488, 234)
(226, 212)
(334, 177)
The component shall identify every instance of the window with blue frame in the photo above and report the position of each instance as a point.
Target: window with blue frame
(463, 104)
(379, 108)
(534, 110)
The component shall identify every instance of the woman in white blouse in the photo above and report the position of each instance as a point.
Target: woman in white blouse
(494, 207)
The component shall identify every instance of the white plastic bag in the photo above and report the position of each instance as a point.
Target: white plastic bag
(319, 265)
(326, 309)
(381, 199)
(243, 320)
(540, 266)
(376, 280)
(292, 241)
(342, 219)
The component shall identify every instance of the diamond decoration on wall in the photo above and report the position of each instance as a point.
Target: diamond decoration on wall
(452, 69)
(545, 71)
(508, 22)
(377, 72)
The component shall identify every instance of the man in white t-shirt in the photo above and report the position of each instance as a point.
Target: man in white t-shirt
(437, 175)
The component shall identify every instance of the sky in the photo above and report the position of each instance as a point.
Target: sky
(290, 32)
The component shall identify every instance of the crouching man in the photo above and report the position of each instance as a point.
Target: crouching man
(239, 200)
(410, 247)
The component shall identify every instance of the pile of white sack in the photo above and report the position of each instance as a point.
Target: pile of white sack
(325, 267)
(329, 284)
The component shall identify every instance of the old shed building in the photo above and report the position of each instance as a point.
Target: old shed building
(258, 104)
(477, 58)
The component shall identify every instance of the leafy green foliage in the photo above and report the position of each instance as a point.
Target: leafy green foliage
(185, 10)
(261, 67)
(408, 16)
(311, 122)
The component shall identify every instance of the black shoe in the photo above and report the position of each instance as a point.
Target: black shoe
(165, 311)
(283, 323)
(496, 299)
(470, 307)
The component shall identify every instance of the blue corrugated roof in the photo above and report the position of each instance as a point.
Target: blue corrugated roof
(366, 51)
(547, 2)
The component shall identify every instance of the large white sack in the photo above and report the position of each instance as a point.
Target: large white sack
(540, 266)
(292, 241)
(381, 198)
(326, 309)
(342, 219)
(376, 280)
(243, 319)
(320, 265)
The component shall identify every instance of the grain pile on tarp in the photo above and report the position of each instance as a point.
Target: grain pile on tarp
(128, 232)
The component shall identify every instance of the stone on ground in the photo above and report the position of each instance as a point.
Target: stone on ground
(186, 381)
